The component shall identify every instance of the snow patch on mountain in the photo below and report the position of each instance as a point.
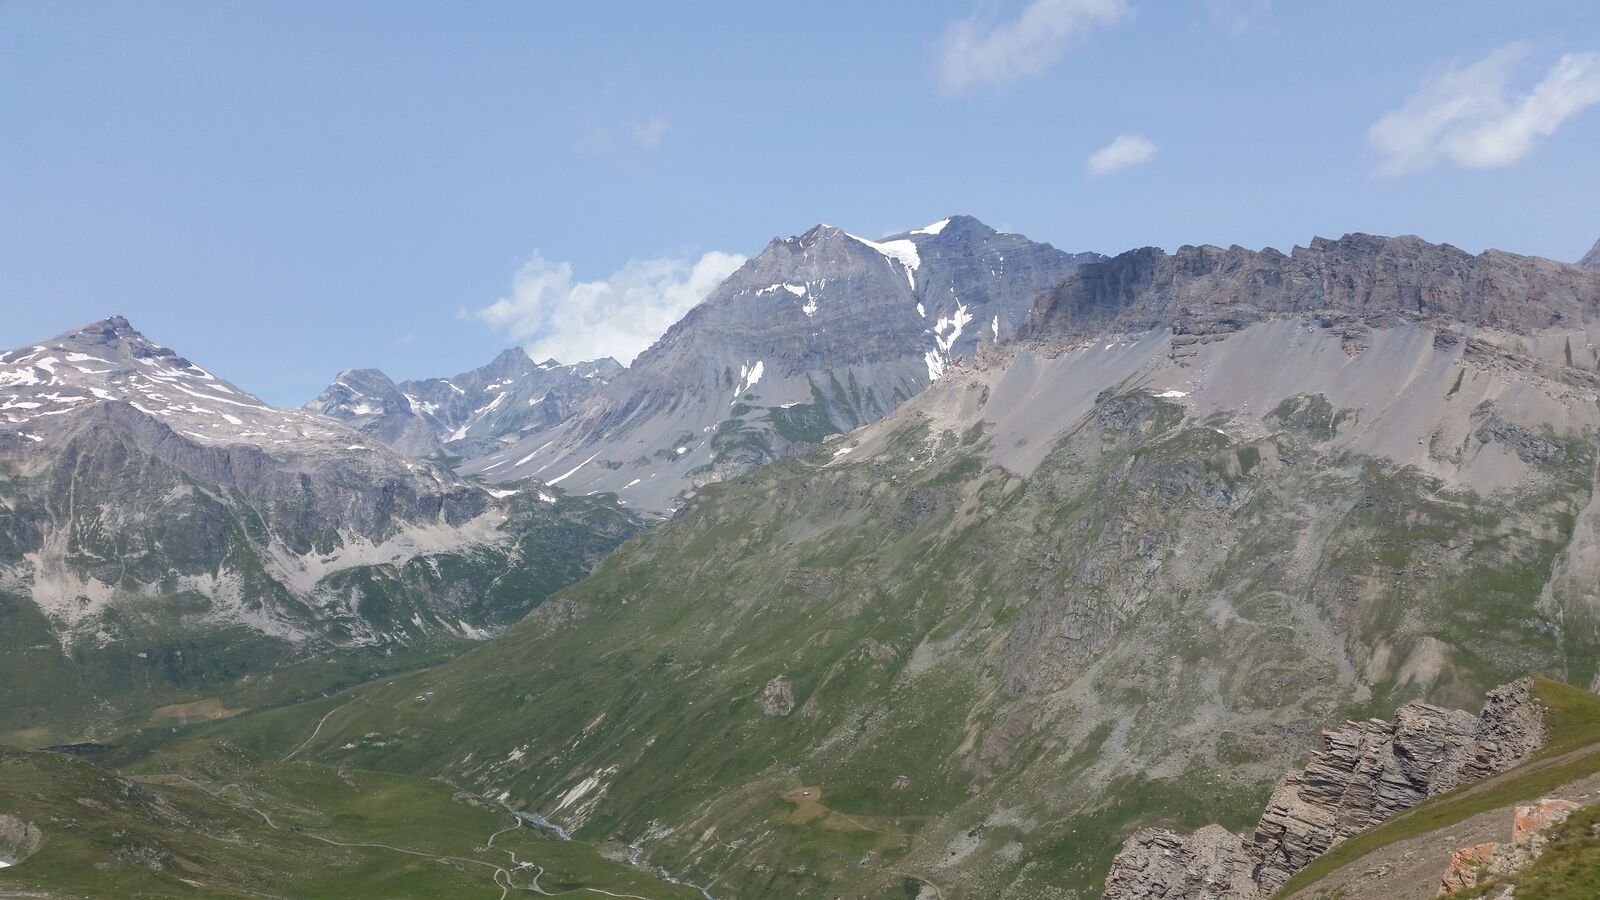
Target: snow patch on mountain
(901, 251)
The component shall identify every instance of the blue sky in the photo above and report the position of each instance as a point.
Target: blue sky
(283, 190)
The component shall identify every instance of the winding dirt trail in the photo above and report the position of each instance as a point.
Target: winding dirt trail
(314, 732)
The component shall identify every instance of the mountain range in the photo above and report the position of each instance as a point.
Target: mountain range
(168, 534)
(980, 558)
(469, 415)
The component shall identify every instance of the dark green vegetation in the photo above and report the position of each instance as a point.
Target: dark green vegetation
(165, 655)
(1571, 752)
(210, 819)
(994, 678)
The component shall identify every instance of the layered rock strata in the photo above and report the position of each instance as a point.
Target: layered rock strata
(1366, 773)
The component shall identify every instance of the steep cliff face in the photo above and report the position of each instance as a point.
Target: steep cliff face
(818, 334)
(1368, 279)
(1366, 773)
(165, 531)
(470, 414)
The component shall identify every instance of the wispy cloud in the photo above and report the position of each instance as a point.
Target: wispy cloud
(1470, 116)
(1239, 17)
(1127, 151)
(617, 316)
(647, 135)
(643, 136)
(975, 56)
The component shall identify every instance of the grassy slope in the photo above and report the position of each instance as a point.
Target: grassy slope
(155, 834)
(1572, 751)
(996, 679)
(102, 689)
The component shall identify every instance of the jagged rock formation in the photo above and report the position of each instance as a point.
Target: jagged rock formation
(164, 527)
(473, 413)
(1209, 864)
(1473, 865)
(1366, 773)
(818, 334)
(1592, 258)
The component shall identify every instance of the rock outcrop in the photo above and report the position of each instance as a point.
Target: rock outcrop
(1210, 864)
(1366, 772)
(18, 840)
(777, 699)
(1471, 866)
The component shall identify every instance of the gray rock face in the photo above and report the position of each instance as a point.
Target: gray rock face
(1207, 290)
(470, 414)
(1592, 258)
(1366, 773)
(1160, 864)
(818, 334)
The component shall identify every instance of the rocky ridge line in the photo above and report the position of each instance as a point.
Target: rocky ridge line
(1367, 772)
(1356, 282)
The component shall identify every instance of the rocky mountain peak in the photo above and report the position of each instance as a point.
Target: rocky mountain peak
(819, 333)
(467, 414)
(1592, 258)
(117, 337)
(512, 361)
(43, 386)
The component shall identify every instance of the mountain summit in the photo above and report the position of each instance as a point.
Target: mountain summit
(818, 334)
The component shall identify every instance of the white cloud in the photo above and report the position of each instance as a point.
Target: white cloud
(647, 135)
(553, 316)
(1021, 48)
(1127, 151)
(1470, 117)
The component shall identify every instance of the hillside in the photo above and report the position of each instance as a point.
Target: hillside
(1405, 857)
(1110, 578)
(215, 821)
